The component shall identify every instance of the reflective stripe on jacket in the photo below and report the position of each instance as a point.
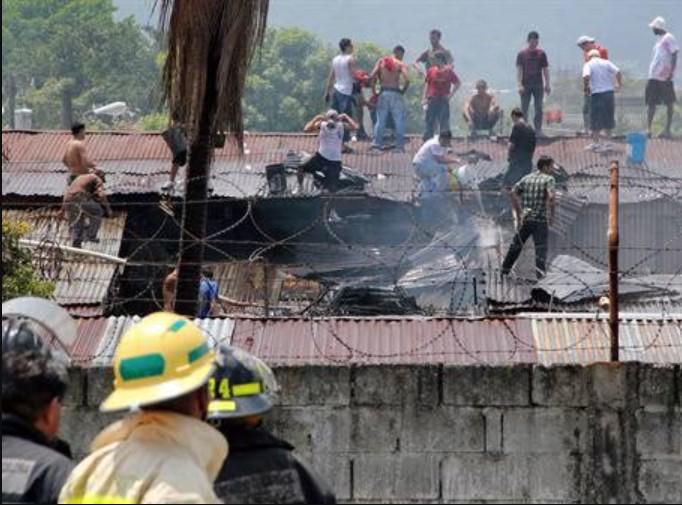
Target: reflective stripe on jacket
(151, 457)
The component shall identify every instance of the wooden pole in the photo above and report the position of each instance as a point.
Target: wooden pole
(613, 260)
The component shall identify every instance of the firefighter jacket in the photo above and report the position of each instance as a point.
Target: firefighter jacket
(33, 468)
(263, 469)
(151, 457)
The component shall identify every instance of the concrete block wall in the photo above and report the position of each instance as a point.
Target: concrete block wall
(448, 434)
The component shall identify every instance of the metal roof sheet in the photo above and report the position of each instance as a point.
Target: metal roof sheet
(528, 338)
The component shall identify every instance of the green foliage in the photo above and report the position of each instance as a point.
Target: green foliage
(74, 49)
(157, 121)
(18, 276)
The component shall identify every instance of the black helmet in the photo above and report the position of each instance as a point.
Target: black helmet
(242, 385)
(37, 325)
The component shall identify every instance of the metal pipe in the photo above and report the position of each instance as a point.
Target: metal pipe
(74, 250)
(613, 260)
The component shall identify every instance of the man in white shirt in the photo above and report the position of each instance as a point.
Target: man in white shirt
(660, 89)
(339, 90)
(601, 79)
(431, 165)
(325, 165)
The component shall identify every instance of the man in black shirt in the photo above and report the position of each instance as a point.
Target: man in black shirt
(260, 468)
(35, 464)
(521, 149)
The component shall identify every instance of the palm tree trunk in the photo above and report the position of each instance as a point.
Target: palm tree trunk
(196, 198)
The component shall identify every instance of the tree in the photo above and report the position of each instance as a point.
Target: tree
(64, 56)
(210, 45)
(18, 275)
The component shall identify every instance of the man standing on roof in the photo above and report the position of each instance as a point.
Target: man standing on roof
(176, 140)
(85, 202)
(532, 69)
(587, 44)
(340, 83)
(325, 165)
(441, 85)
(76, 157)
(601, 79)
(388, 73)
(163, 451)
(35, 463)
(481, 111)
(261, 468)
(660, 89)
(533, 202)
(522, 143)
(427, 58)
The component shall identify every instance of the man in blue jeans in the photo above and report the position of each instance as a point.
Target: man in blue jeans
(340, 83)
(441, 85)
(388, 72)
(533, 78)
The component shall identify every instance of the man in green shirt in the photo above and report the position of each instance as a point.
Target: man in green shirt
(533, 202)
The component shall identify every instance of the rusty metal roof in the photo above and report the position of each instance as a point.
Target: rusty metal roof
(139, 162)
(81, 283)
(528, 338)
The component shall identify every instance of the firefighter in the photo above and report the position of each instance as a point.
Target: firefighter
(35, 463)
(163, 452)
(261, 468)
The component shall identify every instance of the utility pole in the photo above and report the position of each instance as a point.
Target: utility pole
(613, 261)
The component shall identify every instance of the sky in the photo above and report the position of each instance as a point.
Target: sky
(483, 35)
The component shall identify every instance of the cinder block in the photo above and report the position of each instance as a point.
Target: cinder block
(660, 433)
(486, 386)
(471, 477)
(312, 430)
(613, 383)
(544, 431)
(334, 470)
(657, 385)
(564, 385)
(660, 481)
(100, 384)
(375, 430)
(446, 429)
(396, 385)
(80, 426)
(314, 385)
(493, 430)
(75, 388)
(400, 477)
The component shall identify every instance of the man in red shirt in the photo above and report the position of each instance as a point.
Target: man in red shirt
(586, 44)
(441, 85)
(533, 78)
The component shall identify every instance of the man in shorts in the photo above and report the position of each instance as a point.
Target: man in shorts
(660, 90)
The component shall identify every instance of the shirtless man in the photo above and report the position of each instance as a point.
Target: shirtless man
(481, 111)
(76, 158)
(388, 72)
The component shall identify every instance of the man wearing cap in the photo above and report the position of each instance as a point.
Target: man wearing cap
(587, 44)
(660, 89)
(327, 160)
(601, 79)
(163, 451)
(35, 463)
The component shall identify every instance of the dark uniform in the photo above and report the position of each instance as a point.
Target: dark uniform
(33, 469)
(263, 469)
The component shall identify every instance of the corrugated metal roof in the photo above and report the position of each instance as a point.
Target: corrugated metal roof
(528, 338)
(138, 163)
(81, 281)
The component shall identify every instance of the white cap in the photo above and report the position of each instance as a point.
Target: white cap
(584, 39)
(331, 114)
(658, 23)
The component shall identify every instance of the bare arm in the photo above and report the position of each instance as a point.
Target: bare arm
(673, 66)
(313, 125)
(586, 86)
(467, 110)
(406, 78)
(551, 204)
(424, 99)
(446, 160)
(545, 74)
(455, 87)
(516, 205)
(169, 284)
(619, 80)
(375, 72)
(519, 78)
(349, 121)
